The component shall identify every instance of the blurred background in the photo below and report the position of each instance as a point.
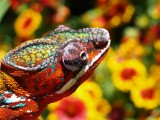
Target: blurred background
(126, 85)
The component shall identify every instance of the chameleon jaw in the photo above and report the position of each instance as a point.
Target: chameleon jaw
(73, 81)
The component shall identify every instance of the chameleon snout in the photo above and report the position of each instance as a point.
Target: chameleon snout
(101, 41)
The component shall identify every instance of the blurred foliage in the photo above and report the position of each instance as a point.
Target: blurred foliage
(126, 85)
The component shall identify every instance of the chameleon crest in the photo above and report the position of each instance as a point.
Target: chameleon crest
(50, 68)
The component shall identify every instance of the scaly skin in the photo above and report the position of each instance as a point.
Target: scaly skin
(48, 69)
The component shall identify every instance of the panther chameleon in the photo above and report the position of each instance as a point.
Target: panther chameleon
(45, 70)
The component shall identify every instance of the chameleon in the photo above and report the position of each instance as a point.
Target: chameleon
(45, 70)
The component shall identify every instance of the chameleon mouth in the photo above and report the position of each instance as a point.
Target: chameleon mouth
(73, 81)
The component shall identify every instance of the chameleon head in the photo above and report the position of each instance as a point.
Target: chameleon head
(59, 62)
(81, 55)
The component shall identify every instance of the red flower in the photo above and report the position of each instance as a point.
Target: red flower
(71, 109)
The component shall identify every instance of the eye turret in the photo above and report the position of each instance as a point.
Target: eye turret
(74, 56)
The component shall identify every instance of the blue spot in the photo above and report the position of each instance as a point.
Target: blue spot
(1, 95)
(52, 67)
(18, 105)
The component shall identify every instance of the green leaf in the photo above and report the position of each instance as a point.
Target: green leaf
(4, 5)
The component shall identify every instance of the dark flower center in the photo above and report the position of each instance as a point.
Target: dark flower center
(147, 93)
(27, 23)
(128, 73)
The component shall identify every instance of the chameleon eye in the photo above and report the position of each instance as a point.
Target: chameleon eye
(74, 56)
(83, 55)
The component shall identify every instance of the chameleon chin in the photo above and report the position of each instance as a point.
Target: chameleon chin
(45, 70)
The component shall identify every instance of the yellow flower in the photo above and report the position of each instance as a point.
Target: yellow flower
(128, 72)
(113, 61)
(97, 106)
(2, 54)
(157, 45)
(128, 13)
(90, 88)
(155, 72)
(145, 94)
(86, 103)
(27, 23)
(130, 48)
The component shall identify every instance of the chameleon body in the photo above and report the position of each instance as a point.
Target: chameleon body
(45, 70)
